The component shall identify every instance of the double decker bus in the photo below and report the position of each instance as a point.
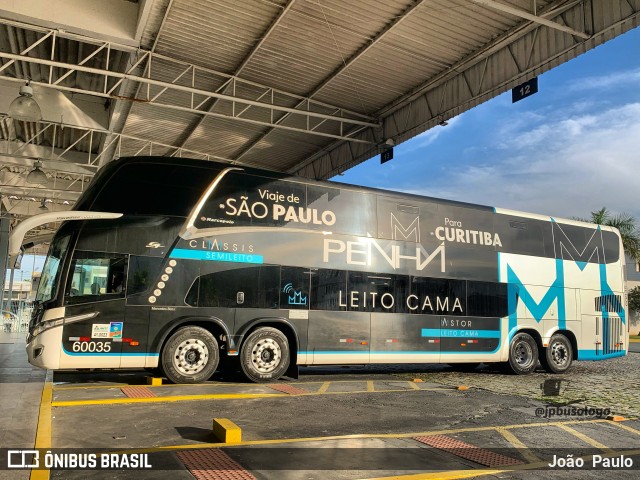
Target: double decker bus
(192, 265)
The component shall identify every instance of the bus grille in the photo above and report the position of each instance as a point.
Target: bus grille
(612, 330)
(609, 303)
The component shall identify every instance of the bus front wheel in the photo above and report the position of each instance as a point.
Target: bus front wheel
(190, 355)
(523, 354)
(558, 355)
(265, 355)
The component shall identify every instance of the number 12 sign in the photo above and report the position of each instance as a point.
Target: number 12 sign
(524, 90)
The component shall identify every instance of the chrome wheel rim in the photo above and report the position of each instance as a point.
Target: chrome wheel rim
(523, 354)
(191, 357)
(266, 355)
(559, 354)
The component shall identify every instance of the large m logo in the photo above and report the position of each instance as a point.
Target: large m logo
(400, 232)
(516, 289)
(568, 240)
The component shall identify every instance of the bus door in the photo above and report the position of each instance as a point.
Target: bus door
(339, 320)
(401, 332)
(94, 299)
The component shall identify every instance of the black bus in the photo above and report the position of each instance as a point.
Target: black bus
(192, 265)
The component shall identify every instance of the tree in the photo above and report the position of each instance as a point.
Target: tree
(627, 226)
(634, 299)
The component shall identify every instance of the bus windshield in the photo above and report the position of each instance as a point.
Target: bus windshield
(51, 271)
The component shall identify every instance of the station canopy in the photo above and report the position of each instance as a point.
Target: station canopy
(310, 87)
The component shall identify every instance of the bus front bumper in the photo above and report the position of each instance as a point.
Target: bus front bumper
(44, 350)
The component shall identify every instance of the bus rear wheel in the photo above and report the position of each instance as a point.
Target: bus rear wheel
(190, 355)
(558, 355)
(265, 355)
(523, 354)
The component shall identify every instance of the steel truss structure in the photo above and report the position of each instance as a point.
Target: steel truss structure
(181, 86)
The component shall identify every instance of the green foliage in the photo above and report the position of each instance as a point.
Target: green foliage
(634, 299)
(625, 223)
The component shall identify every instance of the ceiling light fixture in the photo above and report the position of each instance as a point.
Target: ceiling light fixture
(25, 107)
(37, 176)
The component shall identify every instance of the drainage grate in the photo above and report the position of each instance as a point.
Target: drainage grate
(281, 387)
(137, 392)
(468, 451)
(213, 464)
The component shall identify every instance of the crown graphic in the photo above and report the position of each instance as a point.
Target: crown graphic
(297, 299)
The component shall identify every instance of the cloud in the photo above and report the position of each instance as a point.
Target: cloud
(430, 136)
(616, 79)
(568, 166)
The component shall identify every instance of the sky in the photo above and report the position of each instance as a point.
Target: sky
(571, 148)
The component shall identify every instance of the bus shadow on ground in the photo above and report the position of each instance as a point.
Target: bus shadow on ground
(102, 377)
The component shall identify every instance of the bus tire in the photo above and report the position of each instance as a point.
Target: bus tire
(190, 355)
(264, 356)
(558, 355)
(523, 354)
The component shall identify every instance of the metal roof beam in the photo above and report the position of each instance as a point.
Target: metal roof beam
(170, 86)
(88, 159)
(121, 108)
(267, 33)
(343, 67)
(194, 93)
(40, 192)
(480, 69)
(152, 56)
(531, 17)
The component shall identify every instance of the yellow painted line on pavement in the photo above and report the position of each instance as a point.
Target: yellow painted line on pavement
(211, 396)
(515, 441)
(43, 431)
(173, 398)
(324, 387)
(370, 386)
(634, 340)
(585, 438)
(57, 388)
(212, 384)
(443, 475)
(625, 427)
(358, 436)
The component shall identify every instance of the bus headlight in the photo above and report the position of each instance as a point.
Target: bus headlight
(46, 326)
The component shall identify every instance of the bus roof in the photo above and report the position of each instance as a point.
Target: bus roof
(122, 185)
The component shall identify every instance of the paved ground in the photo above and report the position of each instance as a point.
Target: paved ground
(20, 393)
(341, 423)
(611, 384)
(358, 410)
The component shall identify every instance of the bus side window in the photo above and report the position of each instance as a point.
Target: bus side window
(258, 286)
(96, 274)
(143, 273)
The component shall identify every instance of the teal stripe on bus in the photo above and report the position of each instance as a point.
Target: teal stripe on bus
(215, 256)
(453, 333)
